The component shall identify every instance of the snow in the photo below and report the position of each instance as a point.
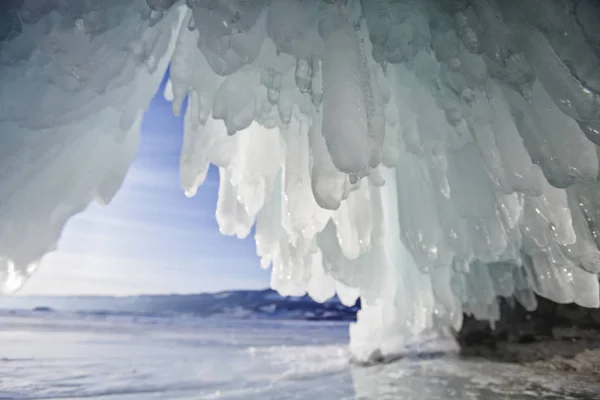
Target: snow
(426, 156)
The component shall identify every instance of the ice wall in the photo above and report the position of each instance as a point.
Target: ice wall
(75, 78)
(427, 156)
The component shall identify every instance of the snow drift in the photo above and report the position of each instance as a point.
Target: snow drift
(427, 156)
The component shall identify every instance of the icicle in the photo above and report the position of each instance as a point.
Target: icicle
(424, 156)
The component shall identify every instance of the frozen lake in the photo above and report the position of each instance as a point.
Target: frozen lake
(62, 356)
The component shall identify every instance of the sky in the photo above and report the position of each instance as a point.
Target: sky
(150, 239)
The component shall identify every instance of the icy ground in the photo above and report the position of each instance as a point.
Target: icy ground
(62, 356)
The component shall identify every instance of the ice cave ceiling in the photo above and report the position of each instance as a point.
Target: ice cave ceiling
(426, 155)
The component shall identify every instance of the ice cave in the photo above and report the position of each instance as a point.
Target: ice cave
(429, 156)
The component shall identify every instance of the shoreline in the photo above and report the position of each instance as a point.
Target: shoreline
(554, 337)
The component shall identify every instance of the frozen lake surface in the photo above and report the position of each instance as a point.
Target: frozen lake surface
(64, 356)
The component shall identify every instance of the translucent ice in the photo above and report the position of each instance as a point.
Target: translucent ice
(426, 156)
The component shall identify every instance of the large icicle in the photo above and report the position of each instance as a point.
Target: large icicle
(73, 86)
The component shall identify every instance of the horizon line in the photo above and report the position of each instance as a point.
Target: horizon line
(17, 295)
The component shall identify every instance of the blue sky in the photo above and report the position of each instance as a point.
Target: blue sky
(151, 238)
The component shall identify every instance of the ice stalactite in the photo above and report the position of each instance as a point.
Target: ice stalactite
(426, 156)
(74, 85)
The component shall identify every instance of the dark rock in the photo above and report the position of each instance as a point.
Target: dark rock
(595, 316)
(559, 337)
(516, 322)
(527, 338)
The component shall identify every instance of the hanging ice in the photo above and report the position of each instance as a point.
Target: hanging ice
(427, 156)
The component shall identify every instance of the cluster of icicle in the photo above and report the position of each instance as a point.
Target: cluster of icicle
(427, 156)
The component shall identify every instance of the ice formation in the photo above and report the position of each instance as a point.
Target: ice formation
(427, 156)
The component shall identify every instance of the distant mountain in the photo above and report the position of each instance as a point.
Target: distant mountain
(237, 304)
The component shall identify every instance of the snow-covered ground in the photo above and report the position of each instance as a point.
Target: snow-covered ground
(68, 356)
